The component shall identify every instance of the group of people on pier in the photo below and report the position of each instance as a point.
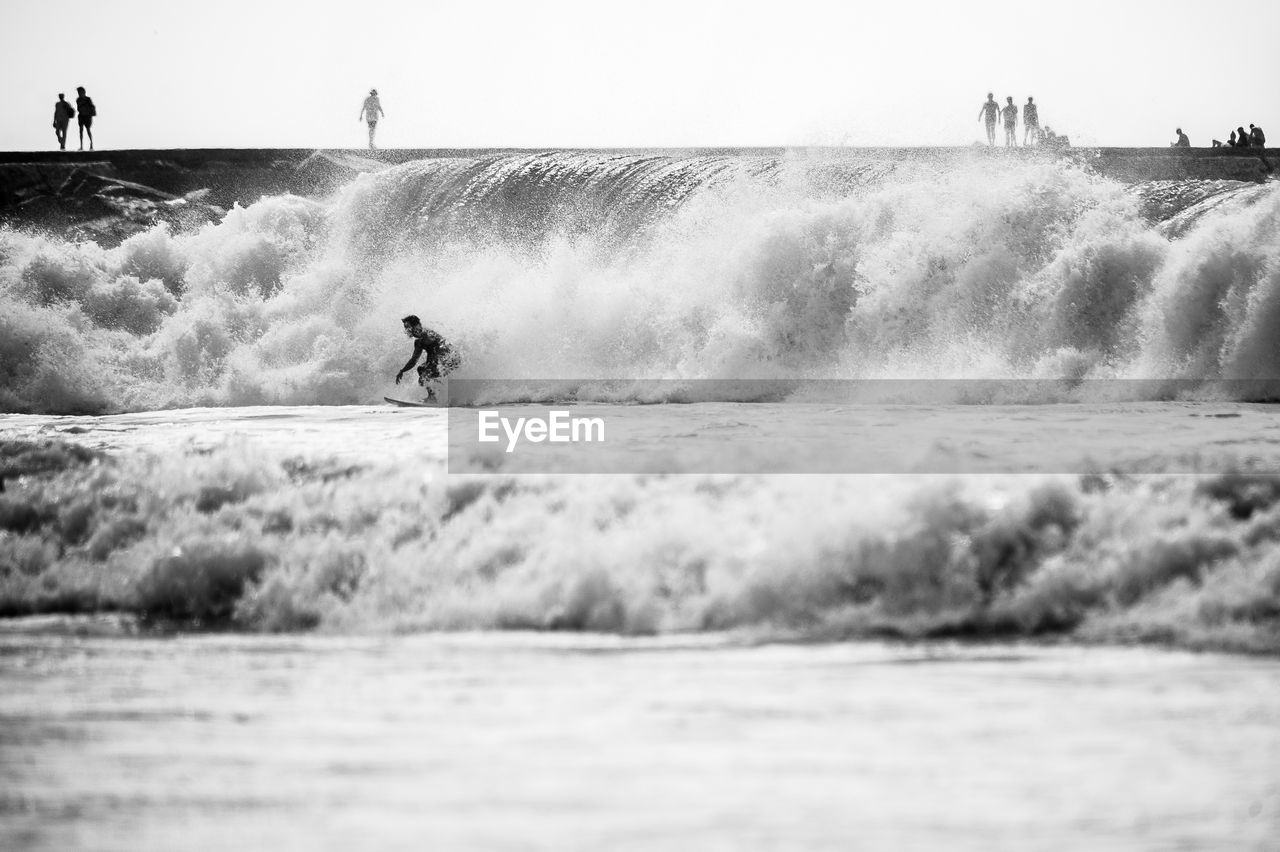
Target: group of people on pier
(1032, 134)
(1241, 138)
(63, 112)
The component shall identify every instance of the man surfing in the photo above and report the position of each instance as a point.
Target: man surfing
(440, 356)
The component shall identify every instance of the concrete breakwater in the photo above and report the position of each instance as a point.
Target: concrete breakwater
(108, 195)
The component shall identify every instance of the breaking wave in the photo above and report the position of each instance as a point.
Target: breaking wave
(581, 266)
(236, 539)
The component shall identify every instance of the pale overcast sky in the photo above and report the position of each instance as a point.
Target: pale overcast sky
(561, 73)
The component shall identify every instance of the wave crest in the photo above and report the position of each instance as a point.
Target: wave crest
(597, 266)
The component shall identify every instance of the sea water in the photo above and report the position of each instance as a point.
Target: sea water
(536, 742)
(245, 481)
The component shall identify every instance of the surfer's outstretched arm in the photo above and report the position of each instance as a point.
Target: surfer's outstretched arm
(408, 365)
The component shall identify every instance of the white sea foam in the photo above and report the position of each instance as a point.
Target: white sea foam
(595, 266)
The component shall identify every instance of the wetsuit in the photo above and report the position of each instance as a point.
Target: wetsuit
(440, 357)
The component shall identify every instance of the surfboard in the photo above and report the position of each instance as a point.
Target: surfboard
(408, 403)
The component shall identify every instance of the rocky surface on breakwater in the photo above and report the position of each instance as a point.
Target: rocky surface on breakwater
(107, 196)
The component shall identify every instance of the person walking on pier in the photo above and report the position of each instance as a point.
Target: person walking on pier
(63, 112)
(1010, 113)
(990, 112)
(84, 105)
(371, 112)
(1031, 122)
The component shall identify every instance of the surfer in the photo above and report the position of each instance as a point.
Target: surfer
(1010, 113)
(440, 356)
(990, 112)
(371, 112)
(84, 105)
(63, 112)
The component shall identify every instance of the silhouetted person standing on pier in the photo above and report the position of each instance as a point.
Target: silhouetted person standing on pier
(371, 112)
(1258, 139)
(1183, 140)
(84, 105)
(63, 112)
(1030, 122)
(1010, 113)
(990, 112)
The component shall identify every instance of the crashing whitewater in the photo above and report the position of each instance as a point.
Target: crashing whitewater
(595, 266)
(592, 266)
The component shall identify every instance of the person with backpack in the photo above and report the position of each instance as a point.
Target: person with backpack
(63, 112)
(84, 105)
